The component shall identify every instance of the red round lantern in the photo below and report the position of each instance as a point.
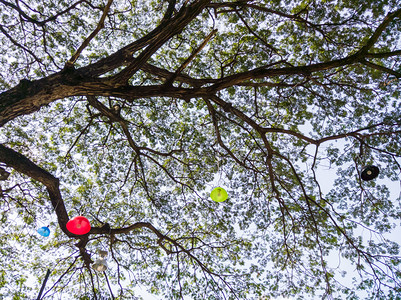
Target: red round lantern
(78, 225)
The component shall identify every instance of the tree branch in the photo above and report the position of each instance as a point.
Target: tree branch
(18, 44)
(23, 165)
(40, 23)
(176, 25)
(383, 54)
(85, 43)
(159, 72)
(381, 68)
(373, 39)
(191, 57)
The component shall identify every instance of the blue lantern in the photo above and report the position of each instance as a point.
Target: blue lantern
(44, 231)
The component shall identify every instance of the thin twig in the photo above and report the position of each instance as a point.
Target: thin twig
(100, 25)
(191, 57)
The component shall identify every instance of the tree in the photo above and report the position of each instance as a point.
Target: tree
(130, 112)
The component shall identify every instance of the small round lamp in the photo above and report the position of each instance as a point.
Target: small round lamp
(78, 225)
(44, 231)
(219, 194)
(100, 264)
(369, 173)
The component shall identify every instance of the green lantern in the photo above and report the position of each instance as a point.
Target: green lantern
(219, 194)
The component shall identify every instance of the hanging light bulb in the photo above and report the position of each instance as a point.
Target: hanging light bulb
(369, 172)
(100, 264)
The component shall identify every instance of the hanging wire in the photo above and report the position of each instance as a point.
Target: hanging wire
(219, 171)
(368, 171)
(360, 156)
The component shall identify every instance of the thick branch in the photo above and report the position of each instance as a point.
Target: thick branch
(170, 9)
(307, 70)
(373, 39)
(177, 24)
(28, 97)
(167, 28)
(23, 165)
(298, 70)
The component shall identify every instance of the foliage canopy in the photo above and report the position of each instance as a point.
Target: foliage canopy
(131, 112)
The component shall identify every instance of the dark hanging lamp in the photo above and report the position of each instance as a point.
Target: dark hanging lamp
(369, 172)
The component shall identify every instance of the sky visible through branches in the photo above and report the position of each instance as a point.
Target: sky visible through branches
(130, 112)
